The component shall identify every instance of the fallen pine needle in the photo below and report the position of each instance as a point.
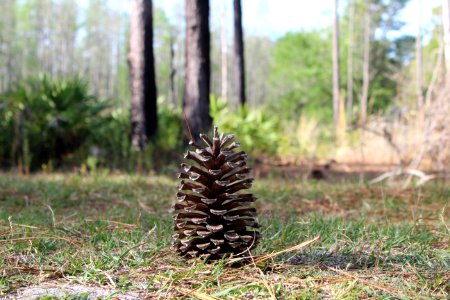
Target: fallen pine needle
(271, 255)
(269, 289)
(264, 280)
(199, 295)
(70, 241)
(340, 280)
(366, 282)
(295, 248)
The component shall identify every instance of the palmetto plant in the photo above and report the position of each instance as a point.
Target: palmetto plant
(213, 218)
(45, 119)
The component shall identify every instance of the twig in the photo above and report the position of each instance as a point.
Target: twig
(423, 177)
(441, 217)
(264, 280)
(52, 214)
(295, 248)
(188, 127)
(268, 256)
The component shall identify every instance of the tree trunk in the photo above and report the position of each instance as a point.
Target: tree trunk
(350, 63)
(197, 81)
(336, 96)
(8, 57)
(224, 52)
(446, 28)
(142, 74)
(419, 64)
(239, 54)
(173, 70)
(366, 65)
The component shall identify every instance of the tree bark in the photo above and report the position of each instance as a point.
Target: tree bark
(197, 81)
(336, 107)
(366, 66)
(224, 52)
(8, 57)
(144, 121)
(446, 28)
(419, 63)
(173, 70)
(239, 54)
(350, 63)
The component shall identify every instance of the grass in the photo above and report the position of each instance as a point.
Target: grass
(112, 232)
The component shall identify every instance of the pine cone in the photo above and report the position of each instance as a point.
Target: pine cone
(212, 219)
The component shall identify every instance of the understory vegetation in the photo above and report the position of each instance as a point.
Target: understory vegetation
(111, 233)
(49, 124)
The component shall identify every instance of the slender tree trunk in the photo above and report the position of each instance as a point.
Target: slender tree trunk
(366, 66)
(224, 52)
(173, 70)
(239, 54)
(350, 63)
(7, 40)
(117, 64)
(419, 63)
(336, 97)
(446, 28)
(197, 81)
(142, 74)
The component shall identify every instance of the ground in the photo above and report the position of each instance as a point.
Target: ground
(75, 236)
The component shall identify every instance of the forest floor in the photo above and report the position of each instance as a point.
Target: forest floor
(108, 235)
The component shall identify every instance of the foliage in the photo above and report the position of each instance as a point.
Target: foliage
(258, 57)
(407, 83)
(110, 143)
(300, 75)
(390, 51)
(47, 122)
(257, 130)
(165, 149)
(262, 132)
(169, 129)
(45, 119)
(164, 38)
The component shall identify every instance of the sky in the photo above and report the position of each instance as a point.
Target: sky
(273, 18)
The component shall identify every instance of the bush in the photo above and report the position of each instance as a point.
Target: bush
(110, 143)
(300, 73)
(44, 119)
(169, 136)
(257, 130)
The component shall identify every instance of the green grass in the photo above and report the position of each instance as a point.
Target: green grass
(113, 231)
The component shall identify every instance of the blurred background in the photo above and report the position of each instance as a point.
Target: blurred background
(349, 85)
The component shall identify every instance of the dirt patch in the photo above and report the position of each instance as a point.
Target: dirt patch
(332, 171)
(63, 290)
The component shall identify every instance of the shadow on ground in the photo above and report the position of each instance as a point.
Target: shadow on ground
(361, 260)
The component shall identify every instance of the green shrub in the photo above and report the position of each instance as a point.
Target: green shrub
(111, 140)
(257, 130)
(44, 119)
(165, 149)
(300, 74)
(168, 137)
